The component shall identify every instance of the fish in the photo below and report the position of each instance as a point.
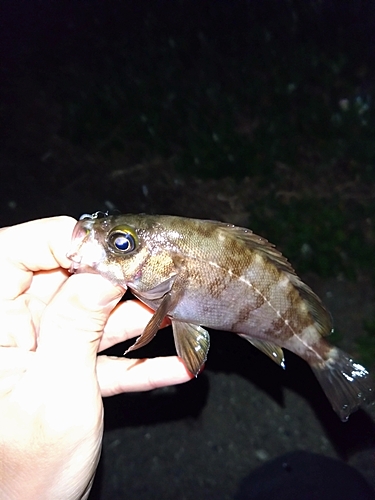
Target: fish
(209, 274)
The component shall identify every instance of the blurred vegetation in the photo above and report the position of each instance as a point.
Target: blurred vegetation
(365, 345)
(280, 92)
(328, 237)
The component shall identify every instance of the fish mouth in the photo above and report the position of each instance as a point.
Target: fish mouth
(84, 268)
(85, 252)
(74, 266)
(78, 266)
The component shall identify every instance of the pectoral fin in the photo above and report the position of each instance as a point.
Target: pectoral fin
(158, 291)
(169, 301)
(271, 350)
(192, 344)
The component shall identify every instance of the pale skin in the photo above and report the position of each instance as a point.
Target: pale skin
(53, 325)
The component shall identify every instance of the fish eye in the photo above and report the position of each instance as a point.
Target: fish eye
(122, 239)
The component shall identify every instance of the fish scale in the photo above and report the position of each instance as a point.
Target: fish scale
(202, 273)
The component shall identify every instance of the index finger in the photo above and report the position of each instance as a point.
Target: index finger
(32, 246)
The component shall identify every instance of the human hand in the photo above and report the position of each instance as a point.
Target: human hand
(51, 380)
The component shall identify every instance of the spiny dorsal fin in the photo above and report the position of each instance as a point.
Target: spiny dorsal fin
(259, 244)
(319, 313)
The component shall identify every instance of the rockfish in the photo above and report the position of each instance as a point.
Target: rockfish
(203, 272)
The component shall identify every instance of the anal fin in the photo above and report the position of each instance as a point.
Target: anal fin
(271, 350)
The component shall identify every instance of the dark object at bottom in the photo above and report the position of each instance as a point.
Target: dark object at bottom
(304, 476)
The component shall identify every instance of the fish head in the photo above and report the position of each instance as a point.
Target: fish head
(128, 250)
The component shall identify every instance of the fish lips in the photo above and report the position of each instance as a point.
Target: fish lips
(86, 253)
(77, 268)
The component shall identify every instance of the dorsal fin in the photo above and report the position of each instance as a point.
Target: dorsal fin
(319, 313)
(259, 244)
(322, 318)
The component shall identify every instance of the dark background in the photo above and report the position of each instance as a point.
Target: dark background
(256, 113)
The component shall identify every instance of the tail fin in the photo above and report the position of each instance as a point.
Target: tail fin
(347, 384)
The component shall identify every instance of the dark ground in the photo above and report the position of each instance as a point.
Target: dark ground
(224, 110)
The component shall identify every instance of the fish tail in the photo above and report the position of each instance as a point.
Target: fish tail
(347, 384)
